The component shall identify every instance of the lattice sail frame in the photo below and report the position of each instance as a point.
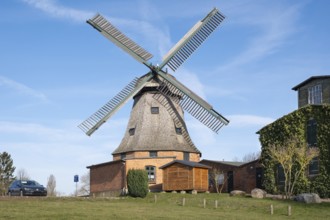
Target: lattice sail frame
(193, 104)
(192, 40)
(190, 102)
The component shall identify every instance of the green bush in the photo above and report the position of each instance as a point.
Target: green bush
(137, 183)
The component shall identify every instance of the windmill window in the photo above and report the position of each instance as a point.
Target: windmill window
(152, 153)
(154, 110)
(123, 156)
(151, 170)
(131, 131)
(315, 94)
(178, 130)
(186, 156)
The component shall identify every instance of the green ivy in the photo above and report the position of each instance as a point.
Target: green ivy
(295, 124)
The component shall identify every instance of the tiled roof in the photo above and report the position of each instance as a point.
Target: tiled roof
(185, 162)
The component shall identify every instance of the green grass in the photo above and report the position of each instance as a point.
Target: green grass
(168, 206)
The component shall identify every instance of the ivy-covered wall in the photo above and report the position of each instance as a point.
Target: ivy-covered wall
(295, 124)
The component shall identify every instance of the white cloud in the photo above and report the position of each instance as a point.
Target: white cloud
(50, 149)
(248, 120)
(275, 26)
(21, 89)
(191, 80)
(52, 8)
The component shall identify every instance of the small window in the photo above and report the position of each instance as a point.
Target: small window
(154, 110)
(151, 170)
(315, 94)
(131, 131)
(178, 131)
(186, 156)
(280, 175)
(312, 133)
(314, 167)
(123, 156)
(152, 153)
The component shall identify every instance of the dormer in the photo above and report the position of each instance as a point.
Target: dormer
(313, 91)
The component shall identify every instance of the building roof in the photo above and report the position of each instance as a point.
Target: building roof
(230, 163)
(185, 162)
(309, 80)
(106, 163)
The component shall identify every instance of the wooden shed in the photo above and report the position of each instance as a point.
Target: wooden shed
(184, 175)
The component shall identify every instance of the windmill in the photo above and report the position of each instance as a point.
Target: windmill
(170, 92)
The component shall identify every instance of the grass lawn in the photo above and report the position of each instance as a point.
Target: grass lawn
(168, 206)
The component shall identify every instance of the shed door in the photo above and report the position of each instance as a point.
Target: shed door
(259, 177)
(230, 180)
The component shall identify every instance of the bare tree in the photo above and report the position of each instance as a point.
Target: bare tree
(251, 156)
(217, 178)
(294, 156)
(22, 174)
(85, 184)
(51, 185)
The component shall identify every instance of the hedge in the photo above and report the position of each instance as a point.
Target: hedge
(137, 183)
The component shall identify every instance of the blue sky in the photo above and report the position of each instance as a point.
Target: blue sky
(56, 70)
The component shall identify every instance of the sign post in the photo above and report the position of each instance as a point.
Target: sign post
(76, 180)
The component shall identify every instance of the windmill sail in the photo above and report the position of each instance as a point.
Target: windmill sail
(169, 86)
(192, 103)
(103, 114)
(118, 38)
(192, 40)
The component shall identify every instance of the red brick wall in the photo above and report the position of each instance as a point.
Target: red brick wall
(244, 175)
(107, 178)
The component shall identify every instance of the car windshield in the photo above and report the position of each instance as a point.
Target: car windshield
(30, 183)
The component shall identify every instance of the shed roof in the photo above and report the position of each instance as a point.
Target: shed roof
(230, 163)
(308, 80)
(185, 162)
(103, 164)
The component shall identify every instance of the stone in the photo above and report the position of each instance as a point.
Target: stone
(237, 193)
(183, 192)
(258, 193)
(308, 198)
(174, 191)
(194, 192)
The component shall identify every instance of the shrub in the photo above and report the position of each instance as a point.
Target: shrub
(137, 182)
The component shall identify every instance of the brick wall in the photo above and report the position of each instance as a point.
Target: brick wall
(244, 176)
(107, 178)
(195, 157)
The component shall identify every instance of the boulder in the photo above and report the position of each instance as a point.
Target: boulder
(194, 192)
(237, 193)
(258, 193)
(308, 198)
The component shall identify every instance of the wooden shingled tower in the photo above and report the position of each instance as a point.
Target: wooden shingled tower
(156, 124)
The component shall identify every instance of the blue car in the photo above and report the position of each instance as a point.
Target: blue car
(26, 188)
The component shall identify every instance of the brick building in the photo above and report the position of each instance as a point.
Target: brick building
(243, 176)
